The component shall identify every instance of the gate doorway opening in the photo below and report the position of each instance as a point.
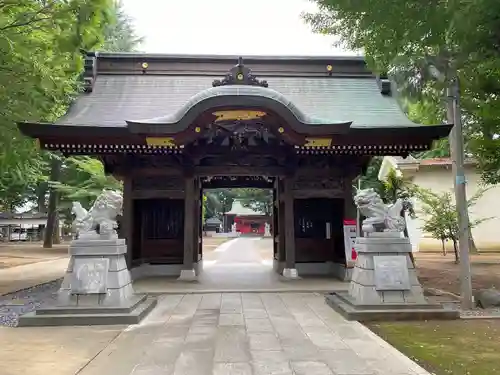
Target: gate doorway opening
(237, 237)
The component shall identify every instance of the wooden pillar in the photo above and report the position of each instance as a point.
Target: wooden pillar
(281, 221)
(275, 228)
(350, 210)
(289, 227)
(128, 219)
(196, 220)
(187, 272)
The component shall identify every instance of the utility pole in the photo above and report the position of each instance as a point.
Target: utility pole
(457, 140)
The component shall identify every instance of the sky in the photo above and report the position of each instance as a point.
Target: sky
(233, 27)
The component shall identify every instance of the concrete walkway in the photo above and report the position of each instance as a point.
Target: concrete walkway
(248, 333)
(52, 350)
(25, 276)
(240, 265)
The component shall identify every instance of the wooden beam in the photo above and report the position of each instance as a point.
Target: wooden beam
(203, 171)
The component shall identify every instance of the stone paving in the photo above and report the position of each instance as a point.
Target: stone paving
(239, 265)
(248, 333)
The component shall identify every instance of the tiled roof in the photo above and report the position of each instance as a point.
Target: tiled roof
(238, 209)
(117, 98)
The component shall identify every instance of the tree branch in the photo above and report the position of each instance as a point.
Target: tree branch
(29, 19)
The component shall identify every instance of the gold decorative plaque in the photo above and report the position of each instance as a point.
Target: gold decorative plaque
(160, 141)
(238, 115)
(318, 142)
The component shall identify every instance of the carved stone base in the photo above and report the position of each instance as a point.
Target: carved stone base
(97, 274)
(187, 275)
(96, 286)
(384, 272)
(384, 280)
(290, 273)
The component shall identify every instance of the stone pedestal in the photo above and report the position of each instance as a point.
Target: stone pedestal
(187, 275)
(384, 284)
(97, 289)
(290, 273)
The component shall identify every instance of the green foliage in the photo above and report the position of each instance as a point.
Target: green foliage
(220, 201)
(120, 36)
(83, 179)
(211, 204)
(203, 208)
(226, 198)
(260, 200)
(441, 215)
(369, 180)
(41, 44)
(408, 38)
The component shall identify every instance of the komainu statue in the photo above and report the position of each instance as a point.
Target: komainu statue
(380, 217)
(100, 221)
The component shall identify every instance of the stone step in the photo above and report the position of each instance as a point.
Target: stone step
(70, 318)
(89, 310)
(387, 312)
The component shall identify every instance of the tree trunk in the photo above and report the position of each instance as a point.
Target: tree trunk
(455, 247)
(56, 237)
(406, 235)
(41, 192)
(55, 172)
(472, 244)
(443, 246)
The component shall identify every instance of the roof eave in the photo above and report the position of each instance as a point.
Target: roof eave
(41, 129)
(228, 58)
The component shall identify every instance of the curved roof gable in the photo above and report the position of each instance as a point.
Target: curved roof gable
(238, 95)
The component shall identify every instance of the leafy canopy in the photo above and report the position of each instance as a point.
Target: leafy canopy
(407, 38)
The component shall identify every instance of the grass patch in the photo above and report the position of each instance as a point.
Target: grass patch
(461, 347)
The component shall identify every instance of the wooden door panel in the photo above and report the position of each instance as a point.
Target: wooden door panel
(162, 230)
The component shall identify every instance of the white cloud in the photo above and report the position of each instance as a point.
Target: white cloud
(257, 27)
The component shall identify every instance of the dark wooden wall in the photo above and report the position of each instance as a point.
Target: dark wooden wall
(155, 215)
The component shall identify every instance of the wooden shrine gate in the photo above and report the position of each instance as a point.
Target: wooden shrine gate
(170, 126)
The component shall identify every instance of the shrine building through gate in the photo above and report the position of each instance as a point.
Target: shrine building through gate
(171, 126)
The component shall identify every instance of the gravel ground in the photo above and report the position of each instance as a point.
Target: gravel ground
(476, 312)
(27, 300)
(492, 312)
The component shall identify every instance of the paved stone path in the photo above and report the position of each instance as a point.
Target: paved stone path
(248, 333)
(239, 266)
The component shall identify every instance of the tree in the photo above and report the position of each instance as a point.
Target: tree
(458, 39)
(441, 217)
(120, 35)
(260, 200)
(211, 204)
(225, 197)
(369, 180)
(397, 187)
(42, 44)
